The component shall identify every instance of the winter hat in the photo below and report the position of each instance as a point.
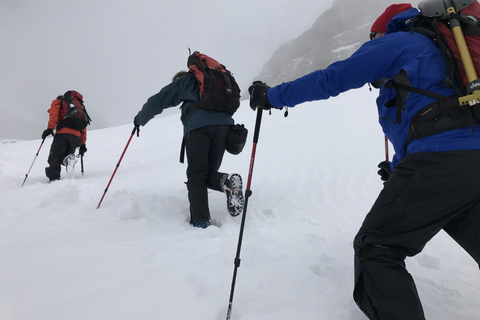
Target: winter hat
(380, 25)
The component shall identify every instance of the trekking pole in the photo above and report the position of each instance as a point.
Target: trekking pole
(26, 176)
(81, 162)
(118, 164)
(386, 148)
(248, 193)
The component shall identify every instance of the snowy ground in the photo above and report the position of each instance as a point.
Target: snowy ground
(137, 257)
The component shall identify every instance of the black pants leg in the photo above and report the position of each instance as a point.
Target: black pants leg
(62, 145)
(426, 193)
(205, 149)
(465, 230)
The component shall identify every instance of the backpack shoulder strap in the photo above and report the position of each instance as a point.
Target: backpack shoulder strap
(401, 86)
(430, 27)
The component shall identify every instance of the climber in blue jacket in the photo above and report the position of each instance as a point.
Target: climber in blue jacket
(433, 181)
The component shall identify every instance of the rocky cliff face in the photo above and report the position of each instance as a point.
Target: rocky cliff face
(335, 36)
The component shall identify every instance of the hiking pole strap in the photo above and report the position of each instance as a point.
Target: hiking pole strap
(116, 167)
(257, 125)
(248, 193)
(35, 158)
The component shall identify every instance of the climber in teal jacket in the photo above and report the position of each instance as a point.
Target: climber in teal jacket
(205, 135)
(183, 90)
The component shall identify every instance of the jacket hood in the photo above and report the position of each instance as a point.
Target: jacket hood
(401, 21)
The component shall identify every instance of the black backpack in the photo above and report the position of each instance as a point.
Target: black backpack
(218, 89)
(72, 112)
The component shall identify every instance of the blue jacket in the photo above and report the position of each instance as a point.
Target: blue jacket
(183, 90)
(384, 57)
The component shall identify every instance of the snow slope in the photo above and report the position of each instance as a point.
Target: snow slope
(137, 257)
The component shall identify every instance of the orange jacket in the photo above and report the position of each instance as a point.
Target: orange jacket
(55, 118)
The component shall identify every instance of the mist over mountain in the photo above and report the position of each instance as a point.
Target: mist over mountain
(334, 36)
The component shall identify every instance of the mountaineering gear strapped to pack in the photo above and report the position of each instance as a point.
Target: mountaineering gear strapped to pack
(218, 89)
(459, 25)
(454, 25)
(72, 112)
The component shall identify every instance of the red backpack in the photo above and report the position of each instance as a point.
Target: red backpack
(218, 89)
(72, 112)
(446, 113)
(468, 15)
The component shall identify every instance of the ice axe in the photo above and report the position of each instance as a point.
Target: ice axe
(449, 9)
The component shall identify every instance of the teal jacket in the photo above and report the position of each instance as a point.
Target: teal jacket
(183, 91)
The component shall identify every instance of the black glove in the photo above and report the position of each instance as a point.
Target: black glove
(137, 126)
(258, 96)
(385, 171)
(46, 133)
(83, 149)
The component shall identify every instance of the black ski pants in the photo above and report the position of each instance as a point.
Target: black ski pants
(205, 148)
(63, 144)
(426, 193)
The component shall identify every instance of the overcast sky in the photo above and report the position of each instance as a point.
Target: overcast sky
(119, 53)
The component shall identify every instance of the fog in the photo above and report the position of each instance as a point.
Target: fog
(119, 53)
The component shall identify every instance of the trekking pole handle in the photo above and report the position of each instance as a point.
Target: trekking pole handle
(256, 133)
(41, 144)
(137, 129)
(257, 125)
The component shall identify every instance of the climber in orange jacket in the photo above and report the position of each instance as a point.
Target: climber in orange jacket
(70, 133)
